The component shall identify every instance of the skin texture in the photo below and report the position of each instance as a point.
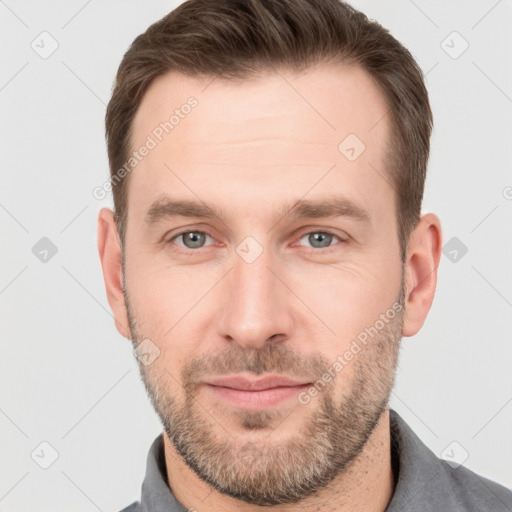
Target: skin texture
(252, 149)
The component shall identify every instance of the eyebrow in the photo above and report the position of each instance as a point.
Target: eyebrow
(331, 207)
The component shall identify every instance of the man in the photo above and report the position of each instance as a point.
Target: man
(266, 255)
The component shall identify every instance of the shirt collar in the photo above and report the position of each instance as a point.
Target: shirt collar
(420, 472)
(156, 495)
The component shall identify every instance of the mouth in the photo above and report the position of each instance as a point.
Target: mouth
(259, 393)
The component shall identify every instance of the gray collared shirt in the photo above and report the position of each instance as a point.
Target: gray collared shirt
(424, 482)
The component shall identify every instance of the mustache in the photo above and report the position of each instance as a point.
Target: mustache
(272, 358)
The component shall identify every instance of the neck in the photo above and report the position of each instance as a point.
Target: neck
(367, 484)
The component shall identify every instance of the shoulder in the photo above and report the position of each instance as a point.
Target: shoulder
(428, 483)
(134, 507)
(475, 492)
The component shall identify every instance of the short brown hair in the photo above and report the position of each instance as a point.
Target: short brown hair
(236, 39)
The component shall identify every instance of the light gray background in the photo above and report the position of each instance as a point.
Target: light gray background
(67, 376)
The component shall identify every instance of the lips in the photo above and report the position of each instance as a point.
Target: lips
(241, 383)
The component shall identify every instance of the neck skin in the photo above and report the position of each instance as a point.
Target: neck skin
(366, 485)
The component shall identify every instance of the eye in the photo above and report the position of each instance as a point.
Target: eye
(321, 239)
(191, 239)
(196, 239)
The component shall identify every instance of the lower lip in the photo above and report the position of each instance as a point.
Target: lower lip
(256, 399)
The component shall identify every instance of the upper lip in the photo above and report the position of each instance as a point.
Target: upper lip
(244, 383)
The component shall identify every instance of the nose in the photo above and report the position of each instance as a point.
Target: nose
(257, 305)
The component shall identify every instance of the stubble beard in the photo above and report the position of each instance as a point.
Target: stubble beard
(253, 469)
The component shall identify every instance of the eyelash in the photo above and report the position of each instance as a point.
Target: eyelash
(325, 250)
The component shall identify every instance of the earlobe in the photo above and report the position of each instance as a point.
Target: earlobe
(110, 255)
(423, 256)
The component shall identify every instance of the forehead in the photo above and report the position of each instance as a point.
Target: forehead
(276, 134)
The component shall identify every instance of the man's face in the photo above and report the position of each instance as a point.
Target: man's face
(269, 289)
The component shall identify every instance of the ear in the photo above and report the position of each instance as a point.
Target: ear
(423, 255)
(109, 249)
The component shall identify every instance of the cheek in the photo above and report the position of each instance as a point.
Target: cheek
(347, 298)
(160, 296)
(170, 306)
